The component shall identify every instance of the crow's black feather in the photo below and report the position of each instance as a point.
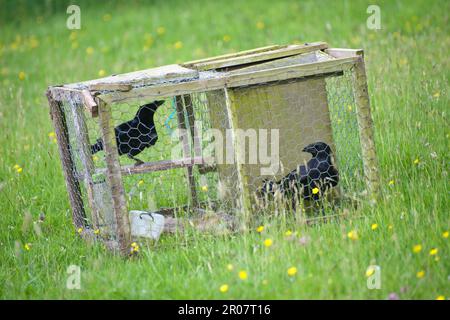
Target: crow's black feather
(133, 136)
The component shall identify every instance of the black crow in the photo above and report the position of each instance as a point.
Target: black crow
(133, 136)
(309, 181)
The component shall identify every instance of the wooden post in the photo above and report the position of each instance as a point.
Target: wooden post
(365, 125)
(196, 140)
(244, 195)
(81, 131)
(114, 177)
(72, 184)
(186, 149)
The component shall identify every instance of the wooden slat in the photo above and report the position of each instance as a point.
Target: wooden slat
(145, 77)
(186, 147)
(344, 53)
(110, 86)
(189, 64)
(89, 103)
(235, 80)
(365, 126)
(163, 165)
(260, 56)
(114, 177)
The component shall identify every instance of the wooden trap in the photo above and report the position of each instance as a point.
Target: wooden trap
(292, 96)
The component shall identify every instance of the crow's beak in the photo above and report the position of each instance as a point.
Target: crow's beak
(308, 148)
(159, 102)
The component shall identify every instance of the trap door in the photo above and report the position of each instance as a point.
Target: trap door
(296, 110)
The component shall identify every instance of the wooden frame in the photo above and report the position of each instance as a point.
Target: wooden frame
(99, 96)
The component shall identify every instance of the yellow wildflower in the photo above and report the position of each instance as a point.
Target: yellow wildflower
(80, 230)
(440, 298)
(374, 226)
(265, 282)
(437, 94)
(370, 271)
(315, 190)
(353, 235)
(140, 183)
(22, 75)
(292, 271)
(445, 234)
(204, 188)
(260, 229)
(160, 30)
(134, 247)
(243, 275)
(417, 248)
(223, 288)
(178, 45)
(89, 51)
(260, 25)
(434, 251)
(97, 231)
(268, 243)
(16, 166)
(27, 246)
(230, 267)
(226, 38)
(391, 182)
(73, 36)
(101, 73)
(288, 233)
(95, 158)
(420, 274)
(417, 161)
(19, 170)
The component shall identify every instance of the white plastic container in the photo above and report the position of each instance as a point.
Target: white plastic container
(146, 224)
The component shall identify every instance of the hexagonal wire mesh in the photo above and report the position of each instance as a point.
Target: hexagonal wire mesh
(274, 125)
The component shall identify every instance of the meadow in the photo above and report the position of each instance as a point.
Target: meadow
(405, 233)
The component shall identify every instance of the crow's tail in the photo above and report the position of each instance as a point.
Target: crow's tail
(98, 146)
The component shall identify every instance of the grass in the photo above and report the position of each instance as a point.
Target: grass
(408, 71)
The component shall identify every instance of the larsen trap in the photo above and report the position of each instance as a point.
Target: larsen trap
(239, 134)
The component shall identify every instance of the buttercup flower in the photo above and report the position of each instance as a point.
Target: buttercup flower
(223, 288)
(292, 271)
(353, 235)
(268, 242)
(243, 275)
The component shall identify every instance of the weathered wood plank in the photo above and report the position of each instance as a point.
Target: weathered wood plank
(172, 72)
(114, 177)
(365, 126)
(162, 165)
(344, 53)
(190, 64)
(261, 56)
(186, 148)
(89, 103)
(110, 86)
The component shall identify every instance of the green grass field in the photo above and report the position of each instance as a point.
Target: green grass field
(408, 73)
